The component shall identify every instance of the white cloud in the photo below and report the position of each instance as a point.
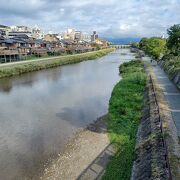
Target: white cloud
(113, 18)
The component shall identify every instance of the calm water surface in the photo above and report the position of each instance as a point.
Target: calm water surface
(39, 111)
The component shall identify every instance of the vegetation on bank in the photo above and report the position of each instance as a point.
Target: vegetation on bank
(154, 46)
(171, 64)
(171, 60)
(36, 65)
(123, 118)
(167, 51)
(173, 42)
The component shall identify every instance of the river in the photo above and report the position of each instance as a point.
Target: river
(40, 111)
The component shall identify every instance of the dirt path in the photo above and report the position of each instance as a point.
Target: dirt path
(84, 157)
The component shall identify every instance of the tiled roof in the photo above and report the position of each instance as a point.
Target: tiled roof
(12, 40)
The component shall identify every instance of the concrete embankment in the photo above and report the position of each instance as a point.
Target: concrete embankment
(12, 69)
(169, 129)
(157, 146)
(156, 154)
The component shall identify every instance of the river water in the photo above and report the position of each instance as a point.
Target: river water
(40, 111)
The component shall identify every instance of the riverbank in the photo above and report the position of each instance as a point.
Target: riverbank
(170, 131)
(150, 161)
(157, 144)
(12, 69)
(85, 156)
(42, 110)
(125, 112)
(92, 149)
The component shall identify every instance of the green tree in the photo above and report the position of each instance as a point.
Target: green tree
(154, 46)
(143, 43)
(173, 42)
(97, 46)
(134, 45)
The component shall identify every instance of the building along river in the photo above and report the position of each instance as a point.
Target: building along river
(40, 111)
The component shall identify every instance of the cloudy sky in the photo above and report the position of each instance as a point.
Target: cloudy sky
(111, 18)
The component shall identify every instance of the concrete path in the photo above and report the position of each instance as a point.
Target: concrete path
(171, 93)
(40, 59)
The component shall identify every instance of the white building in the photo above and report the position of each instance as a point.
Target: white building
(34, 32)
(73, 34)
(4, 30)
(60, 36)
(86, 37)
(37, 33)
(69, 34)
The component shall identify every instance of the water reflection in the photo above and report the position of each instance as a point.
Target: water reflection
(28, 79)
(41, 110)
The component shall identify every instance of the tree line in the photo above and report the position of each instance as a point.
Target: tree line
(158, 47)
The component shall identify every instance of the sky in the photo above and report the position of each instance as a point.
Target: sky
(110, 18)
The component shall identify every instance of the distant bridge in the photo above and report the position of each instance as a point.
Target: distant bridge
(120, 46)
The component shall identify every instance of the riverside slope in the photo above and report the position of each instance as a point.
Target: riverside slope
(17, 68)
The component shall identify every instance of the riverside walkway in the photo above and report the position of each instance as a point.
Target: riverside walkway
(43, 59)
(171, 93)
(37, 60)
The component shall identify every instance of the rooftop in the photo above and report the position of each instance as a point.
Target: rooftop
(3, 26)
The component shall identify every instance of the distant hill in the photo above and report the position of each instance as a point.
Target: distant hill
(122, 40)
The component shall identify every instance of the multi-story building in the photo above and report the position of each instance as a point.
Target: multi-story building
(85, 37)
(60, 36)
(94, 36)
(4, 30)
(51, 37)
(37, 33)
(34, 32)
(69, 34)
(72, 34)
(78, 36)
(20, 29)
(23, 34)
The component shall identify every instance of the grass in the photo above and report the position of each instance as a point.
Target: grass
(171, 64)
(130, 67)
(33, 57)
(36, 65)
(125, 112)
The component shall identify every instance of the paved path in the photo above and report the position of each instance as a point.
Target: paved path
(28, 61)
(41, 59)
(171, 93)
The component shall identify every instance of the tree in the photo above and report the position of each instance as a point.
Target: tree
(97, 46)
(143, 43)
(154, 46)
(173, 42)
(134, 45)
